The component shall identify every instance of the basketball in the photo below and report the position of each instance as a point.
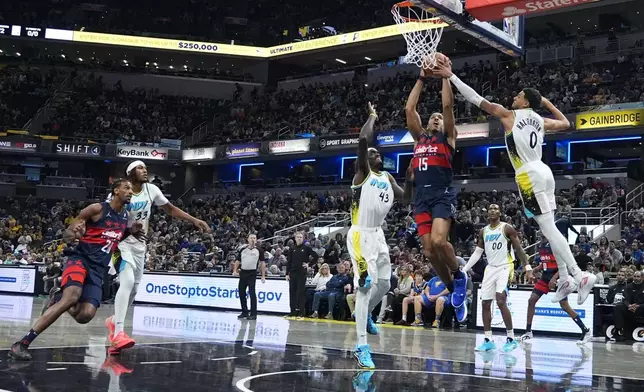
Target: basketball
(440, 58)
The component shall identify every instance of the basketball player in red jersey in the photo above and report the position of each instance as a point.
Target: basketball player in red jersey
(435, 198)
(102, 226)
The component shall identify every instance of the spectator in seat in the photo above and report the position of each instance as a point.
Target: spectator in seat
(614, 253)
(631, 307)
(401, 292)
(616, 292)
(334, 290)
(582, 259)
(418, 289)
(595, 269)
(319, 281)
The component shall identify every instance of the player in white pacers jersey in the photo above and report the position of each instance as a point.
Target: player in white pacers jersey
(524, 133)
(374, 192)
(499, 241)
(133, 251)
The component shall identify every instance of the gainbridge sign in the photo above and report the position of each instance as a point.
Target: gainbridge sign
(610, 119)
(498, 9)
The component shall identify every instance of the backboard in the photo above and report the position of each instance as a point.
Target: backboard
(508, 40)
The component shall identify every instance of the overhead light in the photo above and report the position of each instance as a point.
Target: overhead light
(62, 55)
(367, 58)
(155, 64)
(340, 61)
(18, 54)
(1, 51)
(171, 67)
(147, 63)
(366, 85)
(185, 66)
(124, 61)
(80, 59)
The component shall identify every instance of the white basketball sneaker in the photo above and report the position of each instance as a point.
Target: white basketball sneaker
(585, 287)
(564, 289)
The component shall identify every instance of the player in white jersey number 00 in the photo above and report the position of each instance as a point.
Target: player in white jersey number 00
(524, 134)
(133, 250)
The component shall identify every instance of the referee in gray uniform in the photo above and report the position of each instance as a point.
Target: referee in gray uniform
(251, 258)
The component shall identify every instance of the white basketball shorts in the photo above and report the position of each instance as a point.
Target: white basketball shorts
(369, 251)
(495, 280)
(537, 188)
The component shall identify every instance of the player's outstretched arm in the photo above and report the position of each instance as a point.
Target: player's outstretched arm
(77, 226)
(413, 118)
(399, 192)
(449, 122)
(476, 256)
(559, 123)
(445, 71)
(366, 135)
(511, 233)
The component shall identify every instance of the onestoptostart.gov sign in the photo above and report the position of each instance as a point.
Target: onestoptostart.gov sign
(213, 292)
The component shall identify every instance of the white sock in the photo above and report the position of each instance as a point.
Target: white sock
(510, 333)
(488, 335)
(560, 247)
(122, 300)
(362, 308)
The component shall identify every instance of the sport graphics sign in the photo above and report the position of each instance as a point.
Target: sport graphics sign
(289, 146)
(156, 153)
(14, 145)
(610, 119)
(78, 149)
(198, 154)
(210, 292)
(339, 142)
(17, 280)
(242, 150)
(548, 317)
(498, 9)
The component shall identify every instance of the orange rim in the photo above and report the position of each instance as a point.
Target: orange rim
(408, 4)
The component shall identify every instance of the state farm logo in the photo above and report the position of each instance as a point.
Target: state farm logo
(540, 6)
(10, 145)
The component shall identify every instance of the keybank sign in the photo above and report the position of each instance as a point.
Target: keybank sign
(214, 292)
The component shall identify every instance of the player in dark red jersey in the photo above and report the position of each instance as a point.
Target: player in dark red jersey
(549, 275)
(102, 226)
(435, 198)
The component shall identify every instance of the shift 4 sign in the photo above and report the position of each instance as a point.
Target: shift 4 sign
(612, 119)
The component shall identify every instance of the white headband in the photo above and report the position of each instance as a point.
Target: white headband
(133, 165)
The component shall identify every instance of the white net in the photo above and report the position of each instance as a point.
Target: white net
(422, 33)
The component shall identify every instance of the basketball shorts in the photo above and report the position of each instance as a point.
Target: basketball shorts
(542, 286)
(433, 203)
(134, 256)
(80, 272)
(537, 188)
(369, 254)
(428, 304)
(495, 280)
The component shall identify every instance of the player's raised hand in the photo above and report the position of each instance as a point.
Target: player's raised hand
(372, 110)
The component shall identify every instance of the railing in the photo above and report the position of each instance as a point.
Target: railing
(501, 78)
(572, 215)
(636, 193)
(197, 136)
(47, 104)
(612, 219)
(487, 87)
(325, 219)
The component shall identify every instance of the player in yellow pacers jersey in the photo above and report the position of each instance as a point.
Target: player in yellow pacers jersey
(373, 196)
(524, 133)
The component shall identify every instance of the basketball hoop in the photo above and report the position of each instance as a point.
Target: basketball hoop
(422, 32)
